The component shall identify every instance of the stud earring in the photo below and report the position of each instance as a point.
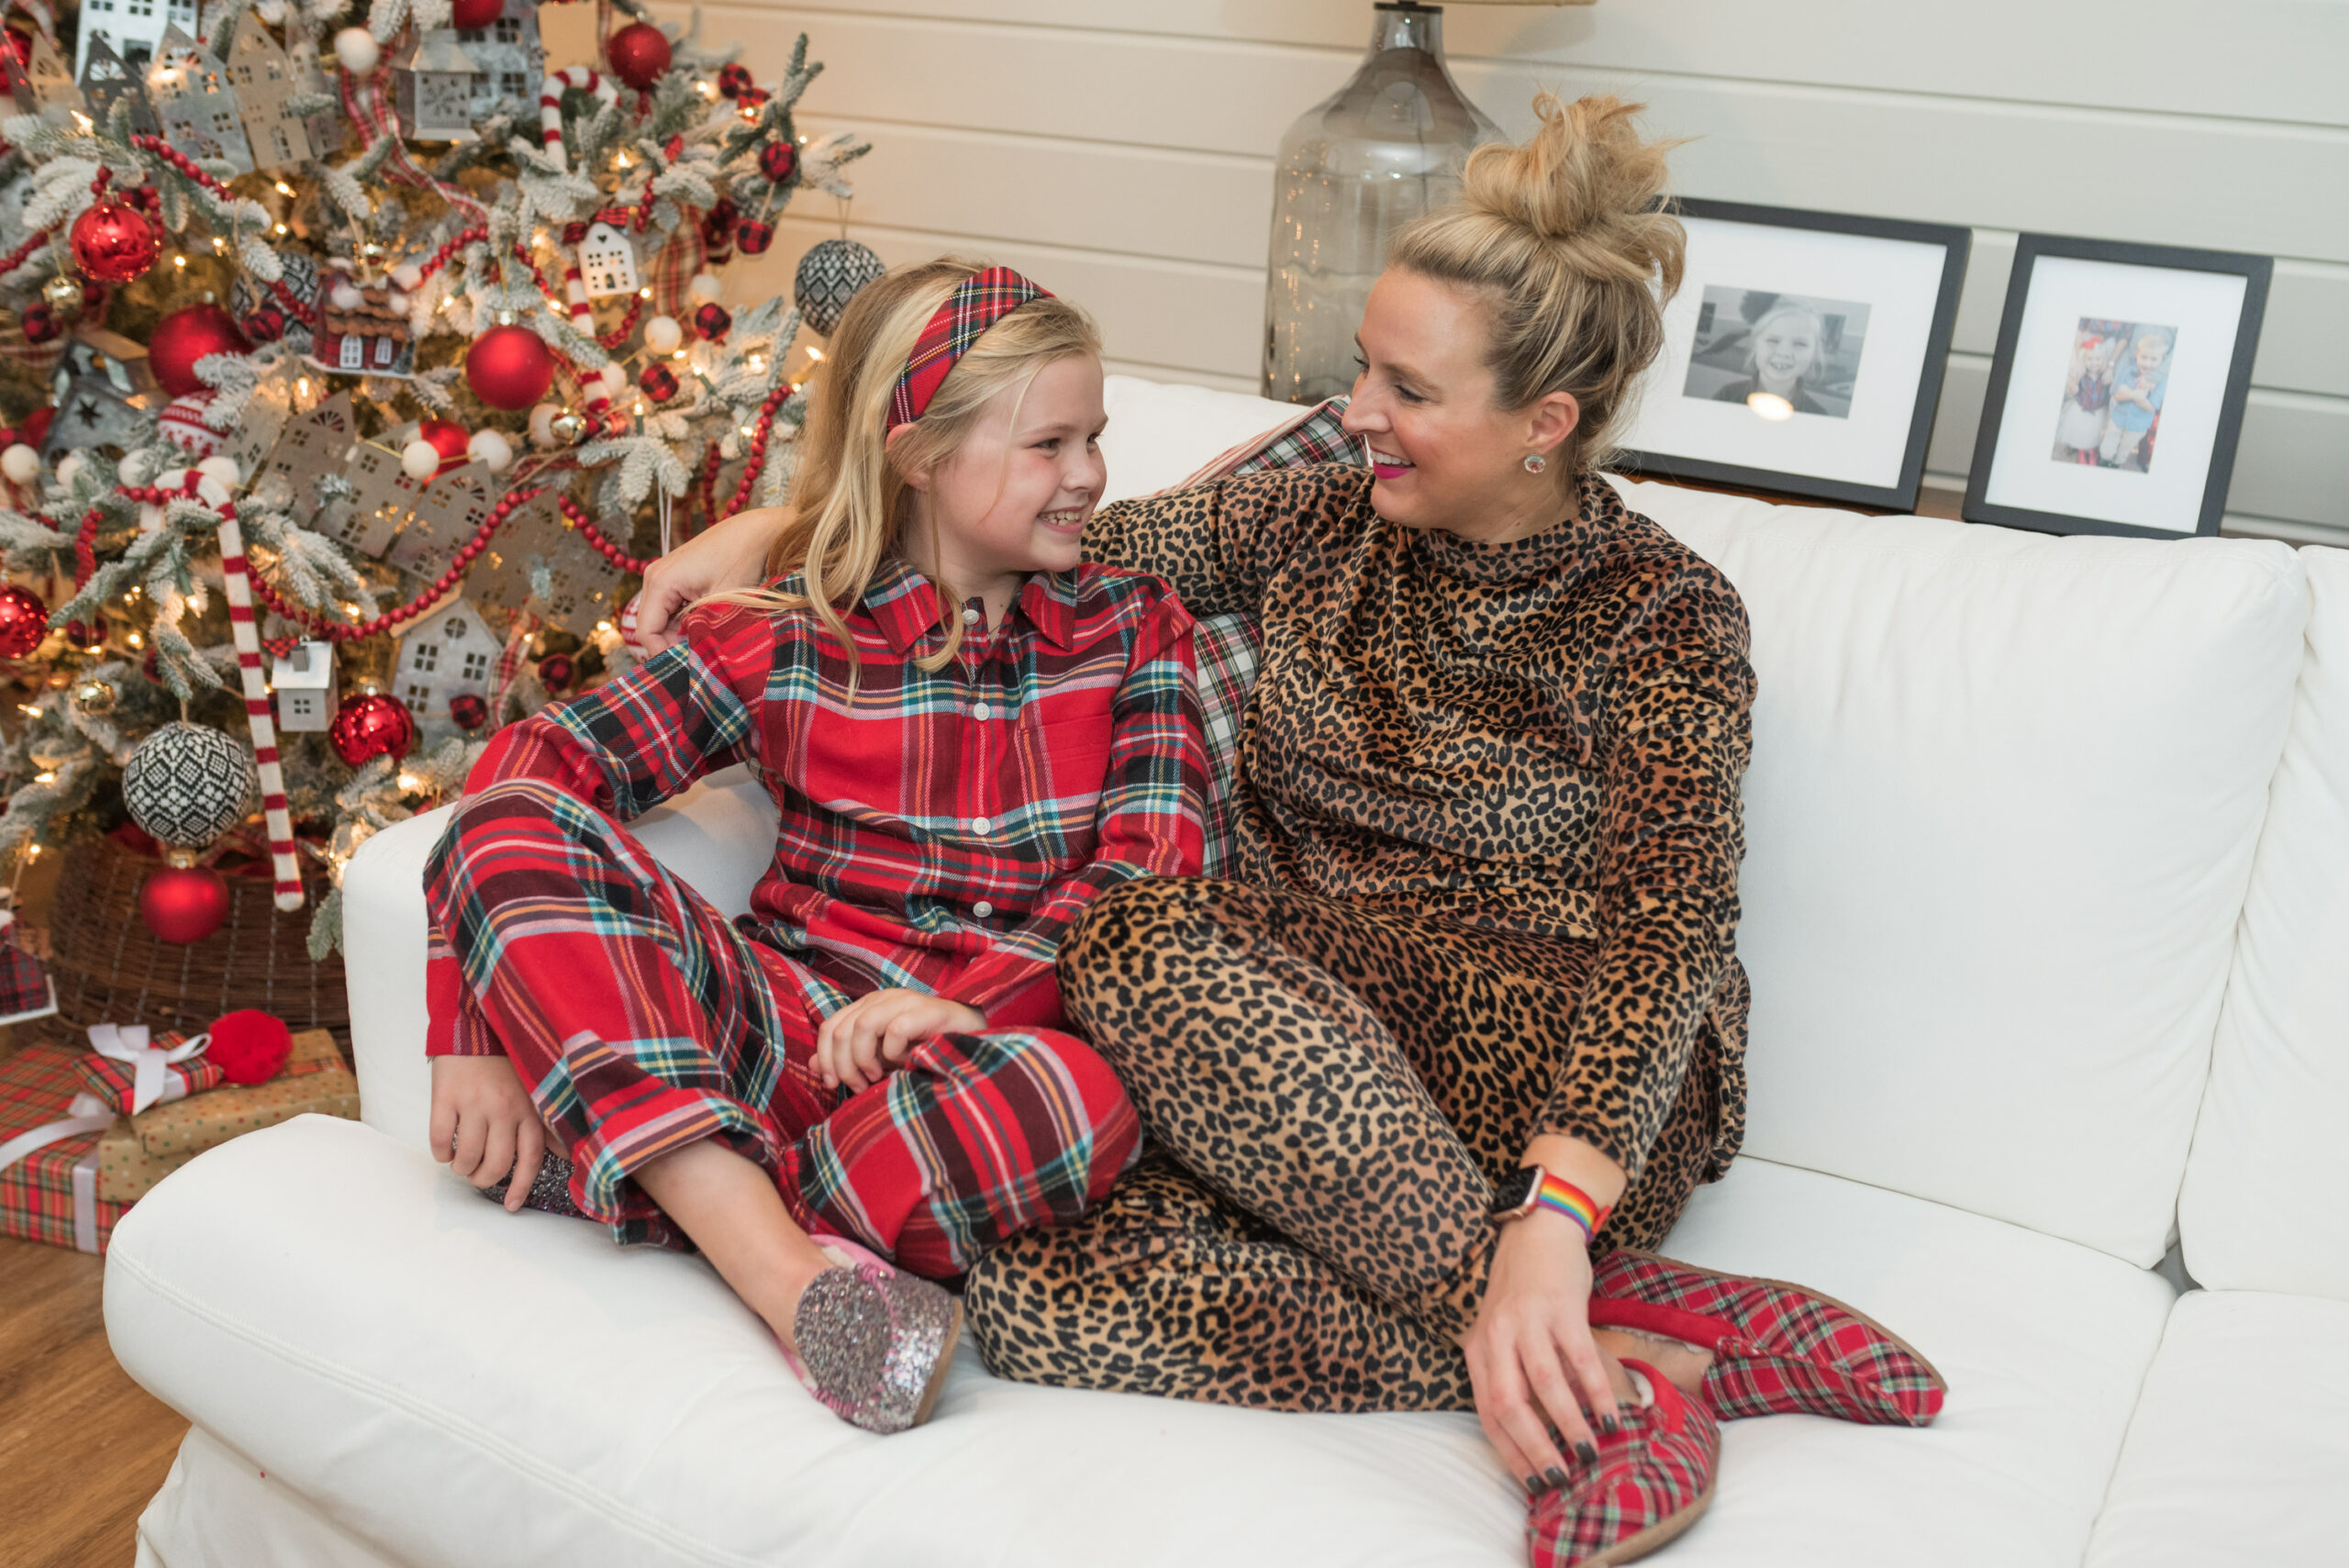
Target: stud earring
(1535, 462)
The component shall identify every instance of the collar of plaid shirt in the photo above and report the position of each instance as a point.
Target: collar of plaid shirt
(905, 605)
(976, 303)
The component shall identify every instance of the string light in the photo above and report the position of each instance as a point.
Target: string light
(280, 228)
(645, 292)
(284, 189)
(179, 261)
(27, 708)
(44, 778)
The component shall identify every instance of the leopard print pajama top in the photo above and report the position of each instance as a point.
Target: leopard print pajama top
(1544, 738)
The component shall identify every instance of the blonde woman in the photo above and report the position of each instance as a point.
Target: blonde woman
(969, 735)
(1468, 1027)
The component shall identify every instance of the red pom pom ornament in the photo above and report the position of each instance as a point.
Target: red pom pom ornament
(734, 79)
(474, 13)
(713, 322)
(637, 54)
(469, 710)
(24, 621)
(555, 672)
(184, 904)
(372, 724)
(752, 237)
(249, 1046)
(264, 324)
(40, 323)
(659, 381)
(112, 244)
(779, 161)
(509, 368)
(186, 336)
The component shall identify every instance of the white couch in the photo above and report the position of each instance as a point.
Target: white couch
(2047, 911)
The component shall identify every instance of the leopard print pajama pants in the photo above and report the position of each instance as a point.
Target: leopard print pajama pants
(1329, 1094)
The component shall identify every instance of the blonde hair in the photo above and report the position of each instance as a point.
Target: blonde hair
(1786, 308)
(849, 498)
(1568, 237)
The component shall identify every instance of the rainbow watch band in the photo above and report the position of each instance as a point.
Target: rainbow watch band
(1563, 1196)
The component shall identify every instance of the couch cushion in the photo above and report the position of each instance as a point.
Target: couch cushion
(2240, 1440)
(446, 1384)
(1161, 433)
(2005, 792)
(719, 836)
(2262, 1207)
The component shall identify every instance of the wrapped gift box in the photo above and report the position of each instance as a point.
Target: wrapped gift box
(315, 1080)
(114, 1081)
(50, 1194)
(127, 1173)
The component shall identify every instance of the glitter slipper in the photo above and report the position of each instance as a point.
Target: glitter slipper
(875, 1343)
(549, 1191)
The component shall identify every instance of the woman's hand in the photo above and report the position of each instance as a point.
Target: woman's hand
(484, 1126)
(731, 555)
(1531, 1355)
(864, 1041)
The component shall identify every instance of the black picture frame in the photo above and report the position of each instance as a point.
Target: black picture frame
(1956, 241)
(2257, 272)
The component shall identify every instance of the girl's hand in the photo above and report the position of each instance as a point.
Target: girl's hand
(731, 555)
(1531, 1355)
(864, 1041)
(484, 1126)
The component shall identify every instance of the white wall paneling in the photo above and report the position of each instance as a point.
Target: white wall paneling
(1121, 149)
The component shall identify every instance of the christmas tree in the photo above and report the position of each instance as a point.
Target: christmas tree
(350, 373)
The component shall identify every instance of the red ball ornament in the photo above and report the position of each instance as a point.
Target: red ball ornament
(659, 381)
(112, 244)
(555, 672)
(448, 439)
(24, 621)
(752, 237)
(40, 323)
(250, 1045)
(509, 368)
(474, 13)
(469, 710)
(35, 430)
(778, 161)
(184, 904)
(637, 54)
(186, 336)
(713, 323)
(372, 724)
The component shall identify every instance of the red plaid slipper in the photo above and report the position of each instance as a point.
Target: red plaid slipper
(1653, 1479)
(1777, 1347)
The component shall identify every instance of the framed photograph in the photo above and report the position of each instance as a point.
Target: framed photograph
(1804, 353)
(2118, 390)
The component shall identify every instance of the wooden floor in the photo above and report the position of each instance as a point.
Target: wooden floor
(82, 1447)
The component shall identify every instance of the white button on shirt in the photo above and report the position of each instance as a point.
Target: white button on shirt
(983, 908)
(970, 617)
(982, 825)
(983, 712)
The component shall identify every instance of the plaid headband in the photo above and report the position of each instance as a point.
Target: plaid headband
(978, 303)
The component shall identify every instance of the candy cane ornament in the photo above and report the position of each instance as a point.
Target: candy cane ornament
(286, 876)
(575, 286)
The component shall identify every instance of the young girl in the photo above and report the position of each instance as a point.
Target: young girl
(967, 736)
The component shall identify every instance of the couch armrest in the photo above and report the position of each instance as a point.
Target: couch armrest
(718, 835)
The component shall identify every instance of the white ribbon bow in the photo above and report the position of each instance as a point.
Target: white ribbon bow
(150, 1085)
(86, 1114)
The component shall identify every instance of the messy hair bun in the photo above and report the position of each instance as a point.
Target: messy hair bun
(1567, 235)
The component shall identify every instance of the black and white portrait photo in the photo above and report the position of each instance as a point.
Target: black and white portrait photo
(1779, 354)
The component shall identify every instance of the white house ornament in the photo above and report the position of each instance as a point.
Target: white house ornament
(134, 29)
(107, 79)
(267, 83)
(41, 80)
(580, 584)
(360, 333)
(435, 88)
(302, 680)
(186, 784)
(448, 654)
(507, 54)
(608, 262)
(196, 104)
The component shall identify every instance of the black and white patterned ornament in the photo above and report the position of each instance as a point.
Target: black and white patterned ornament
(829, 275)
(188, 785)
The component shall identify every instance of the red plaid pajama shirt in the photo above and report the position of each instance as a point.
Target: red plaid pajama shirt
(940, 833)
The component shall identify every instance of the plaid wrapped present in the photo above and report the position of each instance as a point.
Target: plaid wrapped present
(1226, 646)
(172, 1066)
(315, 1080)
(48, 1152)
(25, 990)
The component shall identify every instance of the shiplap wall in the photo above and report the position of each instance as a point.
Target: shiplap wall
(1122, 151)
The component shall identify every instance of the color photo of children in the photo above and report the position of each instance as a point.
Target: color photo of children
(1780, 354)
(2113, 393)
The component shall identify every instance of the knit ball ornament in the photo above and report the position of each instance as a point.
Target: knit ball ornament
(555, 672)
(509, 368)
(371, 725)
(828, 277)
(112, 244)
(182, 424)
(40, 324)
(779, 161)
(184, 904)
(637, 54)
(188, 785)
(752, 237)
(713, 322)
(659, 381)
(470, 711)
(24, 621)
(249, 1046)
(186, 336)
(474, 13)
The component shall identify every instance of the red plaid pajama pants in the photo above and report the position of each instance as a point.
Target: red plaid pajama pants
(643, 1021)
